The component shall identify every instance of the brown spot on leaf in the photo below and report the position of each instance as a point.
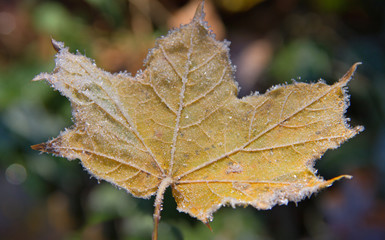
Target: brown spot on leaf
(158, 134)
(241, 186)
(234, 168)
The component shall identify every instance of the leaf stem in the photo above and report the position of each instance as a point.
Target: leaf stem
(158, 204)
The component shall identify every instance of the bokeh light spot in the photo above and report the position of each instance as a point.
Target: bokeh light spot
(16, 174)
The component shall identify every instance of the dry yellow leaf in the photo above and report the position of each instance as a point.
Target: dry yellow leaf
(178, 123)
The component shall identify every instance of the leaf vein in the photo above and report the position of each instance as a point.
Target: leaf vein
(109, 157)
(160, 97)
(206, 61)
(209, 90)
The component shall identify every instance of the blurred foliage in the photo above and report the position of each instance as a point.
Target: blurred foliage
(44, 197)
(237, 6)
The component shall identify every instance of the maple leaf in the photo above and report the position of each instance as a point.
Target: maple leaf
(179, 124)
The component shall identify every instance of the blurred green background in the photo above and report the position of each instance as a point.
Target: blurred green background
(45, 197)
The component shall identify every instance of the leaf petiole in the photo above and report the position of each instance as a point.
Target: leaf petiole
(158, 204)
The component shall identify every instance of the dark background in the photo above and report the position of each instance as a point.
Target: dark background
(45, 197)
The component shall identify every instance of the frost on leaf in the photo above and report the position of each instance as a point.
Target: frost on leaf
(179, 124)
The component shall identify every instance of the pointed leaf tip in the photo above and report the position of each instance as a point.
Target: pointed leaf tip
(331, 181)
(57, 45)
(208, 225)
(45, 147)
(41, 76)
(349, 74)
(199, 12)
(38, 147)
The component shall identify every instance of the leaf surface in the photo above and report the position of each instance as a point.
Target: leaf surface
(179, 123)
